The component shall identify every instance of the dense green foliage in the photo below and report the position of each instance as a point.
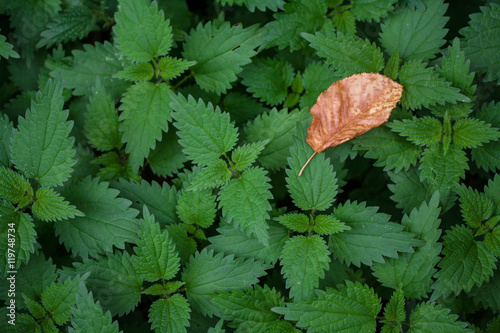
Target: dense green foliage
(149, 153)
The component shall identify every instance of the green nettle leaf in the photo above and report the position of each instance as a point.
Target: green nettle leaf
(430, 317)
(71, 24)
(481, 41)
(205, 133)
(268, 79)
(242, 107)
(245, 155)
(475, 207)
(6, 49)
(47, 324)
(26, 323)
(493, 325)
(59, 298)
(237, 242)
(299, 16)
(156, 257)
(87, 314)
(391, 69)
(141, 30)
(156, 289)
(206, 273)
(170, 315)
(197, 207)
(218, 326)
(389, 149)
(6, 130)
(372, 10)
(111, 166)
(28, 20)
(145, 114)
(423, 87)
(466, 263)
(142, 71)
(159, 199)
(114, 166)
(327, 312)
(171, 287)
(443, 170)
(394, 313)
(493, 192)
(447, 133)
(167, 158)
(455, 69)
(413, 271)
(488, 294)
(35, 308)
(103, 211)
(294, 221)
(304, 261)
(261, 5)
(245, 202)
(17, 107)
(492, 241)
(170, 67)
(345, 22)
(278, 127)
(24, 237)
(250, 309)
(101, 120)
(13, 186)
(35, 277)
(470, 133)
(84, 166)
(219, 52)
(347, 54)
(51, 206)
(215, 174)
(487, 156)
(409, 190)
(184, 244)
(425, 131)
(41, 147)
(416, 34)
(98, 60)
(316, 188)
(127, 152)
(113, 280)
(317, 77)
(328, 224)
(371, 237)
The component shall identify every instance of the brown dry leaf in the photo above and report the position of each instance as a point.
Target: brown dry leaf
(351, 107)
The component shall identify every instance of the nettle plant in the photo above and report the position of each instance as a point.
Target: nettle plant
(150, 155)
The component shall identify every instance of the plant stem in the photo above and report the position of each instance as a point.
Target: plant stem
(303, 167)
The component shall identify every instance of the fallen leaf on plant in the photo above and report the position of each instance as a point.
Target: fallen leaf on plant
(351, 107)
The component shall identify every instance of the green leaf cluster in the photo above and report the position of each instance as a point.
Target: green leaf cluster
(56, 303)
(156, 259)
(150, 154)
(207, 134)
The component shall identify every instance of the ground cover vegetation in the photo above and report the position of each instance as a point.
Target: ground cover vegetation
(149, 160)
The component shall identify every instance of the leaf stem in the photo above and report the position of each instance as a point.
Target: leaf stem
(184, 79)
(312, 221)
(303, 167)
